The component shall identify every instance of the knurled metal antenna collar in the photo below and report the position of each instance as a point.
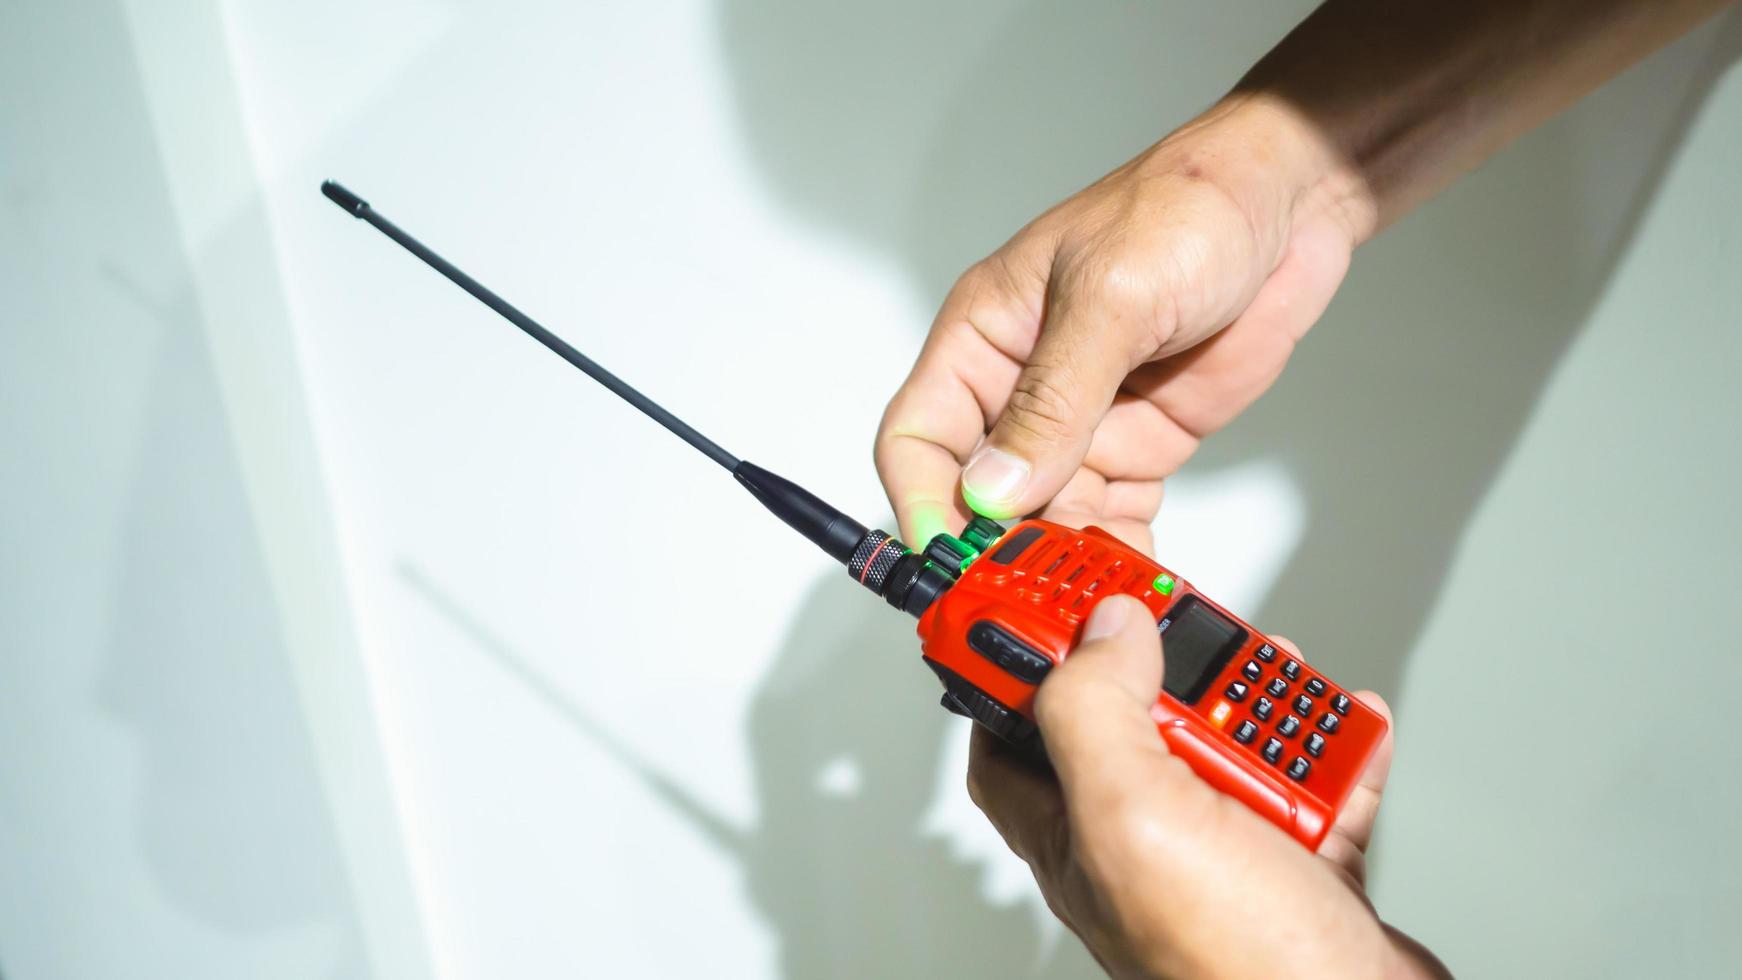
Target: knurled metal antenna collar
(874, 558)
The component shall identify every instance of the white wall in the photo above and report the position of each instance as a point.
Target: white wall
(190, 778)
(624, 725)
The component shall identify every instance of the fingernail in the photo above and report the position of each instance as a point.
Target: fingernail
(1107, 619)
(994, 478)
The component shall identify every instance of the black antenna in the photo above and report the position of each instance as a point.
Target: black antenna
(360, 208)
(874, 558)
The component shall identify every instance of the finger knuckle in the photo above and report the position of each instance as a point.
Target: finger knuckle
(1040, 404)
(1125, 284)
(1134, 285)
(985, 286)
(886, 448)
(987, 272)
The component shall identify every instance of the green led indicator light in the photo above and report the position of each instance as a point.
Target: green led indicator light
(1163, 584)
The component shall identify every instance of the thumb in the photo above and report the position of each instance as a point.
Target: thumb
(1093, 708)
(1082, 356)
(1093, 712)
(1094, 718)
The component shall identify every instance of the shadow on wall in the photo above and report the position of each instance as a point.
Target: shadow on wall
(229, 818)
(932, 133)
(232, 817)
(845, 877)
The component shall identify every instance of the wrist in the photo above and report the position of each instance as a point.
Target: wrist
(1285, 166)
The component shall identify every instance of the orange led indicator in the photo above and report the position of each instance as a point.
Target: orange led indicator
(1219, 714)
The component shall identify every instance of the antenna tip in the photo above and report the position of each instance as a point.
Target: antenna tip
(350, 202)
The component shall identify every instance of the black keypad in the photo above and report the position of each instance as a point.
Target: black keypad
(1291, 669)
(1288, 726)
(1315, 687)
(1236, 691)
(1247, 732)
(1315, 744)
(1262, 707)
(1277, 687)
(1267, 653)
(1340, 704)
(1328, 723)
(1298, 769)
(1273, 751)
(1252, 671)
(1303, 706)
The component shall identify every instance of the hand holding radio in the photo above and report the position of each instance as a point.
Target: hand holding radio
(1156, 872)
(1000, 608)
(1101, 343)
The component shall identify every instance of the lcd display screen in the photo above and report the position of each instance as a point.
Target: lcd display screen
(1196, 641)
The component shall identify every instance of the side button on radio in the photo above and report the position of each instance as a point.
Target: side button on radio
(1013, 656)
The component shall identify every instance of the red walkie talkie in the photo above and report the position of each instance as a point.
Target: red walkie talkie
(1251, 720)
(999, 609)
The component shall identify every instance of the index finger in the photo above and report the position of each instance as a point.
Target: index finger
(957, 386)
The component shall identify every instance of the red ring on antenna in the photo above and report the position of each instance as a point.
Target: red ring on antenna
(874, 553)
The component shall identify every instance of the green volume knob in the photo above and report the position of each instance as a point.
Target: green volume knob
(981, 532)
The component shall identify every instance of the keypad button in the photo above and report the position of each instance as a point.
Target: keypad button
(1267, 653)
(1328, 723)
(1273, 750)
(1236, 691)
(1340, 704)
(1247, 732)
(1277, 687)
(1252, 670)
(1315, 687)
(1315, 743)
(1291, 669)
(1262, 707)
(1288, 726)
(1298, 769)
(1303, 706)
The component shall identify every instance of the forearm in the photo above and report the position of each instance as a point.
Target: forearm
(1393, 99)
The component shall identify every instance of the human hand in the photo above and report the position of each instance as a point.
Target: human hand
(1098, 346)
(1156, 872)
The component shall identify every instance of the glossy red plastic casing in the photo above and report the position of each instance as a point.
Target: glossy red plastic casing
(1042, 596)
